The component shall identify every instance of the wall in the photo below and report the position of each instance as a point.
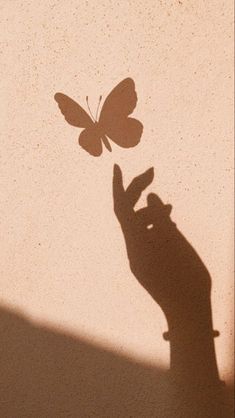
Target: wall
(63, 258)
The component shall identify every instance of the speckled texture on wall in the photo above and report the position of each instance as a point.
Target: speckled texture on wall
(63, 257)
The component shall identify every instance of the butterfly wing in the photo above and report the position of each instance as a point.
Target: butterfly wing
(90, 140)
(120, 103)
(125, 132)
(74, 114)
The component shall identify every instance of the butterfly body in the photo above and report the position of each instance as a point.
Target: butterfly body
(114, 122)
(99, 129)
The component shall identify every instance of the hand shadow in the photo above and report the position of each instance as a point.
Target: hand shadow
(168, 267)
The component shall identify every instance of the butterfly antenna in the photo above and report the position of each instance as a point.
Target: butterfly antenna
(96, 116)
(89, 109)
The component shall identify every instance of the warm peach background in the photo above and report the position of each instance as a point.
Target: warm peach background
(63, 257)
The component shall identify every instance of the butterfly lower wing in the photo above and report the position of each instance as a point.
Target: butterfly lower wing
(90, 141)
(125, 132)
(74, 114)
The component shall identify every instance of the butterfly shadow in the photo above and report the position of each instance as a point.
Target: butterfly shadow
(47, 373)
(113, 123)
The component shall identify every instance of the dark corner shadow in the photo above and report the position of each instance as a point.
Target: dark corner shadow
(48, 374)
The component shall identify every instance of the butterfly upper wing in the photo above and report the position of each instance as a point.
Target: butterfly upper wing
(90, 140)
(74, 114)
(121, 101)
(114, 120)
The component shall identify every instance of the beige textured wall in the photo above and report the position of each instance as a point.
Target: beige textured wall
(63, 258)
